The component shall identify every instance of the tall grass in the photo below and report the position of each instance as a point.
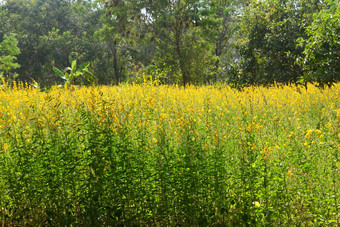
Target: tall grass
(163, 155)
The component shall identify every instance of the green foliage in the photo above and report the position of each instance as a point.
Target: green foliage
(125, 38)
(57, 47)
(267, 42)
(183, 42)
(8, 52)
(322, 48)
(196, 59)
(70, 74)
(177, 29)
(48, 32)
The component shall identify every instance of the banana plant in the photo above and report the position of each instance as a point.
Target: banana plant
(71, 73)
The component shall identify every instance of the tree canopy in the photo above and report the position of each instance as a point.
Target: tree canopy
(174, 41)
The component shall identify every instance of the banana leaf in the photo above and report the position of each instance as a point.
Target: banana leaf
(59, 73)
(90, 77)
(83, 66)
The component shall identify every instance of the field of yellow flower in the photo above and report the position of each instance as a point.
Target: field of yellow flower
(166, 156)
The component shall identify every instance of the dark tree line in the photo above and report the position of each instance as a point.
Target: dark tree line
(175, 41)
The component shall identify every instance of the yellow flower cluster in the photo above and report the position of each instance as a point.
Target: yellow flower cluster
(207, 115)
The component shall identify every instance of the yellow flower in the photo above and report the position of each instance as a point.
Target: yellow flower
(5, 147)
(290, 174)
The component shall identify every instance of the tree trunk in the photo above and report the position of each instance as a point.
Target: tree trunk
(185, 78)
(185, 74)
(115, 62)
(218, 53)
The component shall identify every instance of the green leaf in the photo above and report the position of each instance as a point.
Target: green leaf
(84, 66)
(300, 80)
(67, 69)
(90, 77)
(73, 66)
(59, 73)
(70, 59)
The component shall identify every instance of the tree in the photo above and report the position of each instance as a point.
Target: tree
(32, 20)
(224, 13)
(49, 32)
(268, 40)
(120, 31)
(175, 27)
(321, 60)
(178, 28)
(8, 52)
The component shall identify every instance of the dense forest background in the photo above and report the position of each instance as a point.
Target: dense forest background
(175, 41)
